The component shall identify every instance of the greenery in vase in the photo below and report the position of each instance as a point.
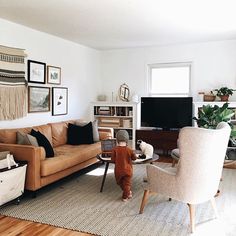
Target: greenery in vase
(224, 91)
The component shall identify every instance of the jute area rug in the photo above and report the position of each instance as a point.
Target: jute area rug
(76, 203)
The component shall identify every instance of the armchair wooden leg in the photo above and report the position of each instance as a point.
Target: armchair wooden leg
(144, 200)
(192, 217)
(173, 162)
(213, 203)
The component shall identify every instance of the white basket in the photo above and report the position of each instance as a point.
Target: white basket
(12, 183)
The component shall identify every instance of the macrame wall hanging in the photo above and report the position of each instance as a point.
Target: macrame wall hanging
(13, 86)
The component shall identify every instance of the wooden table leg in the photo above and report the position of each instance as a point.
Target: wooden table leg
(104, 176)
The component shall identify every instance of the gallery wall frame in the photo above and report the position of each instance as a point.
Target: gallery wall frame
(59, 101)
(38, 99)
(36, 72)
(53, 75)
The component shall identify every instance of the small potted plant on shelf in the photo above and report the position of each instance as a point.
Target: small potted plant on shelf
(224, 93)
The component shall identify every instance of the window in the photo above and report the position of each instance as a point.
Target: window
(171, 79)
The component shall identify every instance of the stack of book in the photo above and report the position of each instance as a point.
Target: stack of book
(104, 111)
(109, 122)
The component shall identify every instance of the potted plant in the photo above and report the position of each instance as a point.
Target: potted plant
(210, 116)
(224, 93)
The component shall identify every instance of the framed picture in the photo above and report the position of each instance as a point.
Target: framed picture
(53, 75)
(124, 92)
(59, 101)
(36, 72)
(38, 99)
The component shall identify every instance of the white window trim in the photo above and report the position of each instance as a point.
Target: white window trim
(164, 65)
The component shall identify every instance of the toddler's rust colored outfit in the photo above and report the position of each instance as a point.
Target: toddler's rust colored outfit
(122, 156)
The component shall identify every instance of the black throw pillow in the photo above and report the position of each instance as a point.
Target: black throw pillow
(43, 142)
(80, 134)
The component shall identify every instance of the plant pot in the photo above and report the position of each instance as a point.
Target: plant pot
(224, 98)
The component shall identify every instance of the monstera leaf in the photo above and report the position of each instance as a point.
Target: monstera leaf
(210, 116)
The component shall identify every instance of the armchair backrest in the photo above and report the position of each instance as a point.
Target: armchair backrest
(202, 153)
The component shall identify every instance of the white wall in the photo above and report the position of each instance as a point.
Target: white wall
(214, 65)
(88, 72)
(80, 67)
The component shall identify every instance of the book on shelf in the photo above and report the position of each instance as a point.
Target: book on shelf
(110, 120)
(104, 111)
(112, 125)
(104, 108)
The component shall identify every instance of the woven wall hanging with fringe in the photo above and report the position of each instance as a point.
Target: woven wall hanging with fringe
(13, 86)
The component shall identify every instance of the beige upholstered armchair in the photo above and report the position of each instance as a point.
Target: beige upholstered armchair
(196, 177)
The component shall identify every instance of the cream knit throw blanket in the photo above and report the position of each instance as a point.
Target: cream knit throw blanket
(13, 86)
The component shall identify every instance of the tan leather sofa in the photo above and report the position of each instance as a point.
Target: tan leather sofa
(68, 159)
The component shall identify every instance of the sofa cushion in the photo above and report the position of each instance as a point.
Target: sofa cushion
(46, 130)
(67, 156)
(80, 134)
(59, 133)
(94, 126)
(26, 139)
(43, 142)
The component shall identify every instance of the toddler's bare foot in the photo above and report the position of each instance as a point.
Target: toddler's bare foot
(130, 195)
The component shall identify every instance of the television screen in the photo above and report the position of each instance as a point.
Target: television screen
(166, 112)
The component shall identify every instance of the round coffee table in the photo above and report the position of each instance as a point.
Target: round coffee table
(107, 161)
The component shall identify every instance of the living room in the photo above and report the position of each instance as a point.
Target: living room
(101, 65)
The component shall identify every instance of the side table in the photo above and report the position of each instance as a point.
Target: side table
(107, 161)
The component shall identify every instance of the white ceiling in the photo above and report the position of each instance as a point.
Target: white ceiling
(111, 24)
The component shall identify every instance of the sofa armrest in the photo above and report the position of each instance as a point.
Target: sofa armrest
(105, 133)
(33, 156)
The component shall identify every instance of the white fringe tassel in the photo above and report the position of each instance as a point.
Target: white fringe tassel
(13, 102)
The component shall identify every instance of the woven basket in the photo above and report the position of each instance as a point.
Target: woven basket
(209, 98)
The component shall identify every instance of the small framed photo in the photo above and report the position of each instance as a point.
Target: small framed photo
(59, 101)
(53, 75)
(36, 72)
(38, 99)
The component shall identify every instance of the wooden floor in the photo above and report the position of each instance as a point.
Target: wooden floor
(15, 227)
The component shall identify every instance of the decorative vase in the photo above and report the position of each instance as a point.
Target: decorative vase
(224, 98)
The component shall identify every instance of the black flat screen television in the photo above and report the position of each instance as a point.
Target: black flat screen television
(166, 113)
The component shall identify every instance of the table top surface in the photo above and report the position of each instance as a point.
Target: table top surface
(137, 161)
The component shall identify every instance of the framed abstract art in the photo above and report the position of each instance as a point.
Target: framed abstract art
(59, 101)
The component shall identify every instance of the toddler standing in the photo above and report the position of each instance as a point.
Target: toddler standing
(122, 156)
